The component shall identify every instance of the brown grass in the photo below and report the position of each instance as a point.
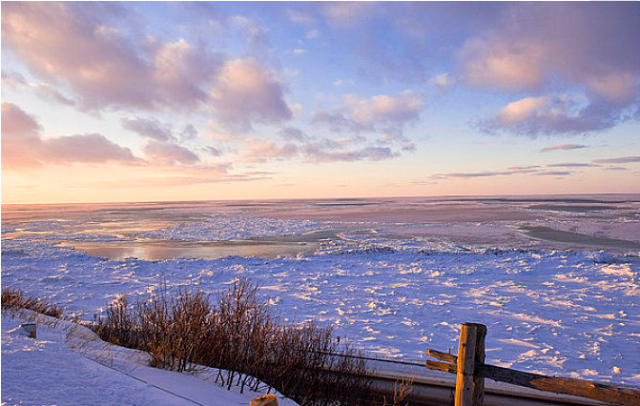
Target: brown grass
(402, 389)
(241, 336)
(13, 298)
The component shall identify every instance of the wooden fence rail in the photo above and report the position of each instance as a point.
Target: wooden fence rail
(471, 371)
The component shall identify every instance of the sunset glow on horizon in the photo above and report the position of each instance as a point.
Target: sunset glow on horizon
(155, 101)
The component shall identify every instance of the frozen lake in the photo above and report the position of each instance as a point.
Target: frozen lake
(555, 279)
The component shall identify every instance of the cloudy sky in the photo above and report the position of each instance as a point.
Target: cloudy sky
(182, 101)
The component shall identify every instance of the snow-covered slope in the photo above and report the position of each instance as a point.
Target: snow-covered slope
(67, 365)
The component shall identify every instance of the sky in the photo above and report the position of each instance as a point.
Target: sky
(158, 101)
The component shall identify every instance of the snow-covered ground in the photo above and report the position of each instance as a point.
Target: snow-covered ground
(395, 288)
(68, 365)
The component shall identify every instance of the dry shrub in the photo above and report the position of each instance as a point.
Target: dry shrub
(17, 299)
(401, 390)
(241, 336)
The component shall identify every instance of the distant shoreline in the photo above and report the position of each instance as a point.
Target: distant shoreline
(522, 198)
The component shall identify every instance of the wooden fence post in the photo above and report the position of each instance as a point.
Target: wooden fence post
(478, 381)
(469, 388)
(471, 371)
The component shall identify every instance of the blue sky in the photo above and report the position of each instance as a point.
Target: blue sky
(232, 100)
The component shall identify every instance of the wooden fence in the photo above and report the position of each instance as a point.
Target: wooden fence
(471, 371)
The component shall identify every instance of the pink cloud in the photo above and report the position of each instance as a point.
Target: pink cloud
(538, 47)
(399, 109)
(340, 122)
(522, 110)
(571, 165)
(319, 155)
(18, 124)
(88, 148)
(552, 115)
(261, 150)
(562, 147)
(621, 160)
(321, 150)
(386, 115)
(531, 170)
(531, 42)
(169, 154)
(257, 37)
(315, 150)
(299, 17)
(20, 137)
(148, 128)
(180, 71)
(245, 93)
(524, 168)
(500, 63)
(554, 173)
(347, 13)
(17, 81)
(484, 174)
(23, 145)
(73, 44)
(293, 134)
(383, 116)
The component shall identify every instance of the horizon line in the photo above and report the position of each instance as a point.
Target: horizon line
(444, 196)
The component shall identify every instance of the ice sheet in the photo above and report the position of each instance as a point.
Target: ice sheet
(393, 287)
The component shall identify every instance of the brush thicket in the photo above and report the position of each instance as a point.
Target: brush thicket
(13, 298)
(240, 336)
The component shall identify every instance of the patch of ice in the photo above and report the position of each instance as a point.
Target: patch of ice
(223, 227)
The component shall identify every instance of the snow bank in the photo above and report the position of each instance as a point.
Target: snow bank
(68, 365)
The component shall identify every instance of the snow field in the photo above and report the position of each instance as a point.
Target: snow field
(565, 313)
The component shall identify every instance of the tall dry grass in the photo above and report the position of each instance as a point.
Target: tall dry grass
(14, 298)
(241, 336)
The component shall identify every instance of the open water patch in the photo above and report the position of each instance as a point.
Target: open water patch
(568, 237)
(158, 250)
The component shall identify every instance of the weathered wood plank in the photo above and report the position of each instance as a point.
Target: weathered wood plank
(478, 381)
(567, 386)
(441, 366)
(466, 365)
(442, 356)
